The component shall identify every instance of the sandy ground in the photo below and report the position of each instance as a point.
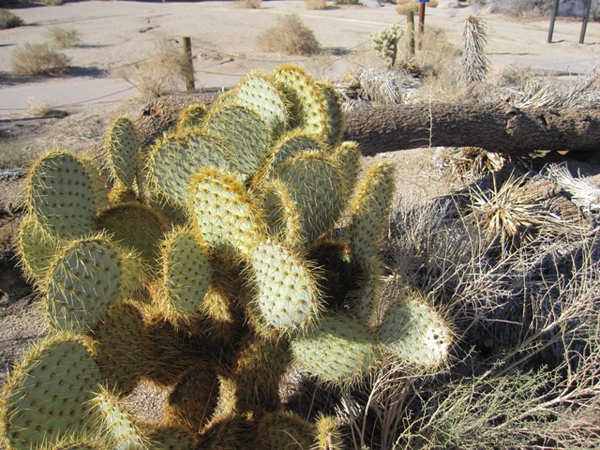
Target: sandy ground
(115, 35)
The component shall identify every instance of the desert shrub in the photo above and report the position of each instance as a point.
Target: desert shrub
(9, 20)
(160, 74)
(315, 4)
(39, 59)
(64, 37)
(250, 4)
(347, 2)
(404, 6)
(290, 36)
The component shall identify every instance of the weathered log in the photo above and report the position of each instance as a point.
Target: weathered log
(493, 127)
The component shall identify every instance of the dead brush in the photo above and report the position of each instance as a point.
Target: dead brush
(582, 192)
(64, 37)
(584, 92)
(471, 163)
(162, 73)
(513, 212)
(39, 59)
(290, 36)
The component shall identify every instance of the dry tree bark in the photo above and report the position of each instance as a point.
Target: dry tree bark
(493, 127)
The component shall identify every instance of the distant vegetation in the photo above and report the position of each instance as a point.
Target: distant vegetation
(9, 19)
(39, 59)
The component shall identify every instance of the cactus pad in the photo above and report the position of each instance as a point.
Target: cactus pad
(223, 212)
(175, 159)
(315, 184)
(36, 248)
(258, 94)
(64, 193)
(336, 350)
(415, 332)
(286, 294)
(48, 392)
(243, 133)
(121, 148)
(370, 209)
(136, 227)
(85, 280)
(187, 272)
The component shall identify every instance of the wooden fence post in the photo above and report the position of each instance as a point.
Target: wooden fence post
(190, 84)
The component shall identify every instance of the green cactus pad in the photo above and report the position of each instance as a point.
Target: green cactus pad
(120, 193)
(223, 212)
(258, 94)
(256, 376)
(281, 214)
(365, 302)
(315, 184)
(76, 441)
(286, 297)
(347, 157)
(64, 191)
(115, 422)
(171, 438)
(333, 130)
(194, 399)
(315, 106)
(243, 133)
(87, 277)
(284, 430)
(186, 273)
(414, 331)
(369, 211)
(121, 346)
(229, 431)
(175, 159)
(289, 145)
(336, 350)
(36, 248)
(191, 117)
(47, 393)
(121, 149)
(136, 227)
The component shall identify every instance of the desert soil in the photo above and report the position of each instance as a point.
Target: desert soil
(114, 35)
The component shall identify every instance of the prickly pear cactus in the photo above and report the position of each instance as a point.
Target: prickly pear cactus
(225, 269)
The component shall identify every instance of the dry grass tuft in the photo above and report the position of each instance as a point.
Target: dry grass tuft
(39, 59)
(162, 73)
(250, 4)
(315, 4)
(290, 36)
(9, 20)
(404, 6)
(64, 37)
(37, 107)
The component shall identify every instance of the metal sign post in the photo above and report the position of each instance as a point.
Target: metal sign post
(570, 8)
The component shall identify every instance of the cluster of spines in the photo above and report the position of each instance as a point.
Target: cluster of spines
(221, 270)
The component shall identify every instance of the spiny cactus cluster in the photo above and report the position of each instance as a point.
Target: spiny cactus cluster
(386, 43)
(214, 265)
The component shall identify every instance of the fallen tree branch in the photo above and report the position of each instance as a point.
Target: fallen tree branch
(493, 127)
